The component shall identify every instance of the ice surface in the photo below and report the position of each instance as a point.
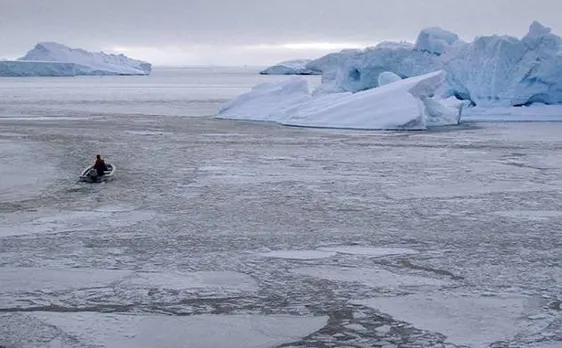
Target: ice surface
(194, 280)
(299, 254)
(46, 280)
(471, 320)
(42, 118)
(199, 331)
(368, 251)
(53, 59)
(23, 279)
(533, 113)
(489, 71)
(18, 184)
(291, 67)
(537, 215)
(377, 278)
(76, 221)
(404, 104)
(449, 190)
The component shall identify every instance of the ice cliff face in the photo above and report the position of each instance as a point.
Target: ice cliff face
(53, 59)
(489, 71)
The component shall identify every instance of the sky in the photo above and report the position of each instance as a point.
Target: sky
(253, 32)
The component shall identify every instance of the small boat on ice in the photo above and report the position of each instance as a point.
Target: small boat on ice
(91, 175)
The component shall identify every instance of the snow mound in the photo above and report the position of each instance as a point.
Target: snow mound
(53, 59)
(489, 71)
(291, 67)
(405, 104)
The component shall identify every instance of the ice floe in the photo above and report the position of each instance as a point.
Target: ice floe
(377, 278)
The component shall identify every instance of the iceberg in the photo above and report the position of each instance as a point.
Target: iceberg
(268, 102)
(489, 71)
(53, 59)
(408, 104)
(387, 77)
(291, 67)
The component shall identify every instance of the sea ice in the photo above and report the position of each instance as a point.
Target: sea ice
(76, 221)
(299, 254)
(24, 279)
(529, 214)
(199, 331)
(377, 278)
(368, 251)
(465, 319)
(21, 174)
(191, 280)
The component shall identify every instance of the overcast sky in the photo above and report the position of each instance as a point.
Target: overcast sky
(253, 32)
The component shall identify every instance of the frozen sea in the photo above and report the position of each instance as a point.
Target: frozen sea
(218, 233)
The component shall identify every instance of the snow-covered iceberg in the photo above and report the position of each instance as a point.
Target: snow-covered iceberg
(404, 104)
(291, 67)
(268, 101)
(489, 71)
(53, 59)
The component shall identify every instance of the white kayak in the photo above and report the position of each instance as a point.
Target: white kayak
(91, 175)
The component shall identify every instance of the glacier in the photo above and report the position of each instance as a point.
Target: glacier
(408, 104)
(489, 71)
(291, 67)
(54, 59)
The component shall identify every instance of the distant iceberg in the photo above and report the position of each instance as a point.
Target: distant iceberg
(53, 59)
(489, 71)
(405, 104)
(291, 67)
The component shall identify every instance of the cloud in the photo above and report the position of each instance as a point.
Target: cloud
(189, 29)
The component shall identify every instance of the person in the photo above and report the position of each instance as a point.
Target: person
(100, 166)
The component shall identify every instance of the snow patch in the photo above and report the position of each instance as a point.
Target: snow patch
(377, 278)
(464, 319)
(148, 331)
